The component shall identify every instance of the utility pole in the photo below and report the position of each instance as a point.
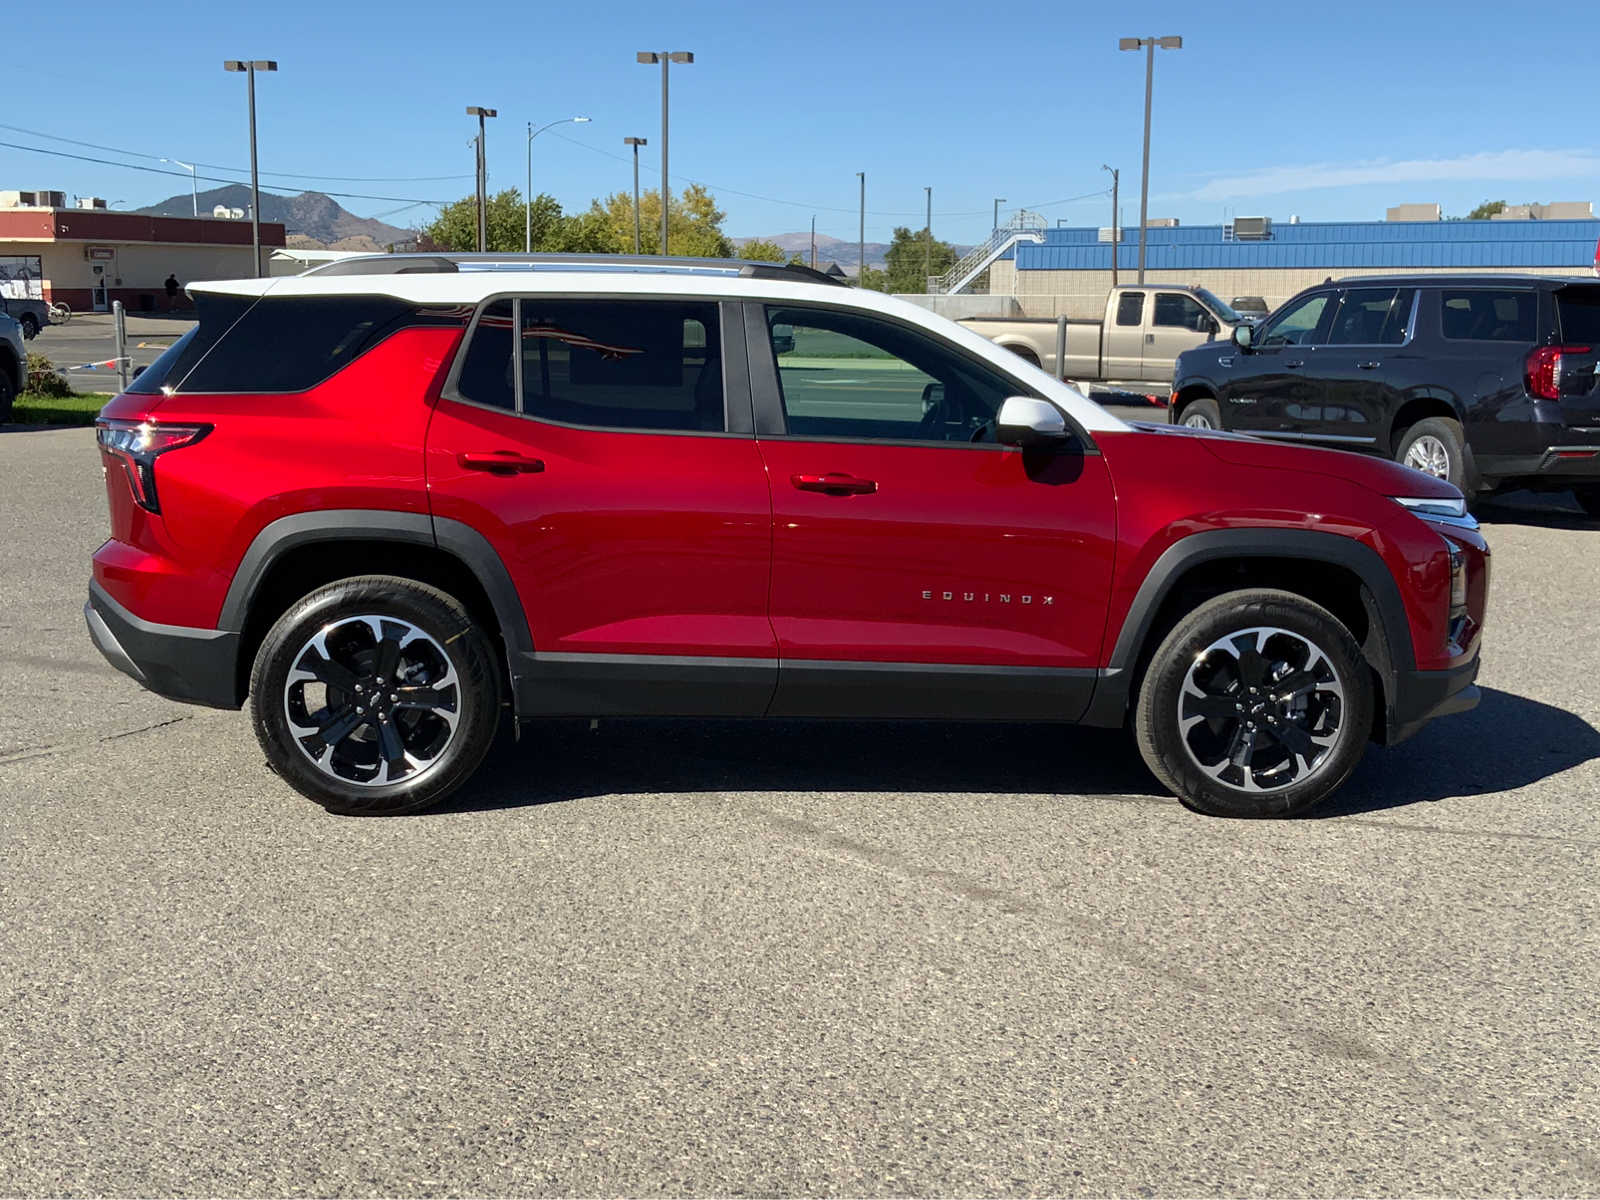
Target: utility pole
(483, 176)
(250, 68)
(635, 143)
(1116, 230)
(927, 241)
(1148, 45)
(861, 237)
(665, 58)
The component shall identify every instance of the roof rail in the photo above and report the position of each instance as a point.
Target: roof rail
(444, 262)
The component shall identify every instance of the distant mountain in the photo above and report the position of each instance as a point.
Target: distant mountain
(310, 214)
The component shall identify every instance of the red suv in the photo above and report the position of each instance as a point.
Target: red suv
(387, 498)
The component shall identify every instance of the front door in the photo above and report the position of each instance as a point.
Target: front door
(1178, 322)
(1275, 386)
(919, 568)
(99, 289)
(607, 457)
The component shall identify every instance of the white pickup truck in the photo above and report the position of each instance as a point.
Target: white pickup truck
(1144, 330)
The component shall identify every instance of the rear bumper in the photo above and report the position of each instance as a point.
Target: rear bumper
(1576, 460)
(197, 666)
(1417, 697)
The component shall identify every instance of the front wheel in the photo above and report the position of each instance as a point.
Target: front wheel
(1257, 704)
(30, 326)
(1201, 414)
(375, 696)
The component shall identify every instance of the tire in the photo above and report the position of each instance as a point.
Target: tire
(1026, 355)
(1328, 719)
(1436, 447)
(1588, 497)
(8, 392)
(1200, 414)
(316, 670)
(30, 326)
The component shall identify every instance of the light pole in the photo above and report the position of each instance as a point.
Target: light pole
(666, 58)
(194, 196)
(250, 67)
(527, 222)
(927, 242)
(635, 143)
(1148, 45)
(483, 175)
(861, 236)
(998, 202)
(1116, 232)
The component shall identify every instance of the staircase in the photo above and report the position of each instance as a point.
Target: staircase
(1023, 226)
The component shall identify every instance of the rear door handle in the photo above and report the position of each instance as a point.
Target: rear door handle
(1369, 366)
(1294, 362)
(500, 462)
(835, 483)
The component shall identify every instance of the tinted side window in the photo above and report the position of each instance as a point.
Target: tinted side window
(849, 376)
(1130, 308)
(291, 343)
(1296, 325)
(1485, 315)
(1362, 315)
(487, 371)
(1174, 309)
(1579, 309)
(622, 364)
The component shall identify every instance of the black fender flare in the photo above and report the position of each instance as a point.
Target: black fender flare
(1394, 651)
(332, 525)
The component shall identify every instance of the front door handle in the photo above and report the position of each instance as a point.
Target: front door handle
(1369, 366)
(500, 462)
(1150, 339)
(1294, 362)
(835, 484)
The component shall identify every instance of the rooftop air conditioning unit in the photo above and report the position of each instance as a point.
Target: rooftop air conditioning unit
(1252, 229)
(1107, 234)
(50, 199)
(91, 202)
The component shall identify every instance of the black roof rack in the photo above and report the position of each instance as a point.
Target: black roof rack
(438, 263)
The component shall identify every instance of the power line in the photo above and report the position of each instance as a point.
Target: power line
(408, 201)
(51, 137)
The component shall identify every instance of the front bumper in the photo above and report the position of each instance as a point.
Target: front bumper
(197, 666)
(1417, 697)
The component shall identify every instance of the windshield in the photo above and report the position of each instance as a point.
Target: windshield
(1217, 306)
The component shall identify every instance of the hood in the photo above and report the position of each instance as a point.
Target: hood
(1375, 474)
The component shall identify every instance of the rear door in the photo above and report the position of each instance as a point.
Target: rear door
(1177, 322)
(1276, 384)
(604, 448)
(1123, 337)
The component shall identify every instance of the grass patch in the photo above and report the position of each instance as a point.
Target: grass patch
(76, 409)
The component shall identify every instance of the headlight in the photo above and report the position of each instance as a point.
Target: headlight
(1432, 506)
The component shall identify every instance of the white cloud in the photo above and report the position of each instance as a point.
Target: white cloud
(1531, 167)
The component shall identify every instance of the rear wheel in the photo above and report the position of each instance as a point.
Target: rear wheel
(1436, 447)
(375, 696)
(1200, 414)
(1257, 704)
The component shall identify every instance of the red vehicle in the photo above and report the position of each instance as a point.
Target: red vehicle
(383, 500)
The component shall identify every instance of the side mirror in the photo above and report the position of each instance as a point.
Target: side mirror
(783, 339)
(138, 371)
(1209, 326)
(1029, 422)
(1244, 335)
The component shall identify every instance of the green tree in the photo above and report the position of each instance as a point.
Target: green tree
(456, 227)
(874, 280)
(694, 225)
(758, 250)
(1486, 210)
(912, 257)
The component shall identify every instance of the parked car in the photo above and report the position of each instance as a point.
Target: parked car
(31, 315)
(13, 364)
(1487, 381)
(1144, 330)
(1252, 308)
(384, 500)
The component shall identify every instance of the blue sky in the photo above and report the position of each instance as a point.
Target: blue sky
(1327, 112)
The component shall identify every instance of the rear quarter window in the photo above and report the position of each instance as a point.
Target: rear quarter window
(1489, 315)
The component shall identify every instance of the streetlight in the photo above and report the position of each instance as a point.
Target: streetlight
(665, 58)
(483, 175)
(998, 202)
(861, 236)
(194, 197)
(1116, 231)
(527, 232)
(250, 67)
(635, 143)
(1148, 45)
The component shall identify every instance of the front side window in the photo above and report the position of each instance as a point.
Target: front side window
(1130, 308)
(1178, 311)
(622, 364)
(1488, 315)
(850, 376)
(1296, 325)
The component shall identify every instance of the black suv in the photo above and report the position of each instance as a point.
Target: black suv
(1485, 380)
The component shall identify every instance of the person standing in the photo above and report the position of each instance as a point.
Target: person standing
(172, 291)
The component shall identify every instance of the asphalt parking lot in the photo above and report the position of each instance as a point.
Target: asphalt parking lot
(89, 339)
(666, 958)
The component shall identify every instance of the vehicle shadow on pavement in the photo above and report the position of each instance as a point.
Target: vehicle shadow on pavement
(1535, 511)
(1514, 742)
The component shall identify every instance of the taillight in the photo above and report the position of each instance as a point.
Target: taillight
(137, 444)
(1541, 374)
